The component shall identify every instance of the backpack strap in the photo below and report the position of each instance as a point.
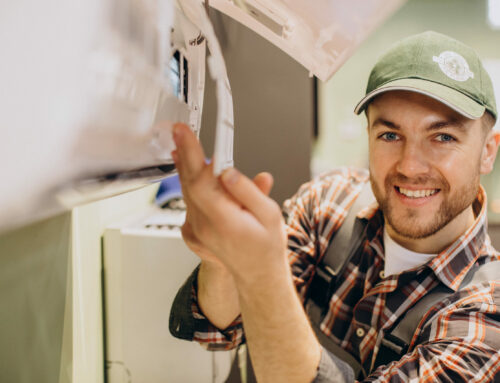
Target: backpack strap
(337, 254)
(342, 247)
(396, 342)
(340, 250)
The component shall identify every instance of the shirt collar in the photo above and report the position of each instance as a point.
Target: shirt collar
(369, 211)
(452, 264)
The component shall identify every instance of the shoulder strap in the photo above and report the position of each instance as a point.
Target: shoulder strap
(395, 343)
(338, 250)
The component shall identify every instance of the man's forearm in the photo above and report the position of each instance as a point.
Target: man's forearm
(217, 295)
(282, 344)
(243, 228)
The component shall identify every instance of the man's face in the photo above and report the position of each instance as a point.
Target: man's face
(425, 162)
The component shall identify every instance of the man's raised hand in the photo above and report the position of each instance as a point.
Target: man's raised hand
(230, 219)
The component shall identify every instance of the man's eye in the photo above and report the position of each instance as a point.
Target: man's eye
(389, 136)
(445, 138)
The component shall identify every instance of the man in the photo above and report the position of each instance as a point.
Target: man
(430, 109)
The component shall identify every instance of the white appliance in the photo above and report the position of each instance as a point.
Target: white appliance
(145, 262)
(90, 88)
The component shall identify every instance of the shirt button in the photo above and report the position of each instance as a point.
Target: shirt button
(360, 332)
(382, 274)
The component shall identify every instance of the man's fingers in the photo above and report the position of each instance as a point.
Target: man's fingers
(264, 182)
(249, 195)
(189, 157)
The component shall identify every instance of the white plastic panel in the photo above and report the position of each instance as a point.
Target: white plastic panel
(223, 153)
(319, 34)
(87, 98)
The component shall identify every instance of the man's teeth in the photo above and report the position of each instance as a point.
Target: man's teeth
(417, 193)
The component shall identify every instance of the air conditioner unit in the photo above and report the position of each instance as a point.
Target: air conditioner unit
(90, 88)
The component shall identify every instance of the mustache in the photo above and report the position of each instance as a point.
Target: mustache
(423, 180)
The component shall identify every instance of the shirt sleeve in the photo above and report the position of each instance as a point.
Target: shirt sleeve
(443, 361)
(188, 322)
(332, 369)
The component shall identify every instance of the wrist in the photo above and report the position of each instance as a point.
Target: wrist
(217, 294)
(271, 278)
(214, 277)
(215, 267)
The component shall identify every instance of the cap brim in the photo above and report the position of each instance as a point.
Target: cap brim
(455, 100)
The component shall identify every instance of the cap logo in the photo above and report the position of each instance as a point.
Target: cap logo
(454, 66)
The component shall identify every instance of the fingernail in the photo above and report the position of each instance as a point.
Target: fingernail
(230, 176)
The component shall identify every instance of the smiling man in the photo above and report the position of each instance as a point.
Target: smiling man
(416, 294)
(425, 166)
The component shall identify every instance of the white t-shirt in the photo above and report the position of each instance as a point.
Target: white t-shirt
(399, 259)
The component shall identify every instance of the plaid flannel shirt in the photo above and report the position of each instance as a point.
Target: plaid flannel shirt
(457, 340)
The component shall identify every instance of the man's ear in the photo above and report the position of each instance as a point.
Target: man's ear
(489, 153)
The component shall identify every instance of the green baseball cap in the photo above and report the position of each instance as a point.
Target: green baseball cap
(437, 66)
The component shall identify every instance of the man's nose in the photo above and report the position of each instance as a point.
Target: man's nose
(413, 160)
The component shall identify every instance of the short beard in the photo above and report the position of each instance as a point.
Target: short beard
(407, 224)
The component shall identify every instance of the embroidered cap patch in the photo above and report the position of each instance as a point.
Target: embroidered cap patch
(454, 66)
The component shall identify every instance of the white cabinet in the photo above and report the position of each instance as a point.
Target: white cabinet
(145, 262)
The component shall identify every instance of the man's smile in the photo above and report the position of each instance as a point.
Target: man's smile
(413, 196)
(416, 193)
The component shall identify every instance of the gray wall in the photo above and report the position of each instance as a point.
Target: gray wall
(33, 292)
(494, 231)
(273, 108)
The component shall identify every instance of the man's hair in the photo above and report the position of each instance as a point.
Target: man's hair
(488, 121)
